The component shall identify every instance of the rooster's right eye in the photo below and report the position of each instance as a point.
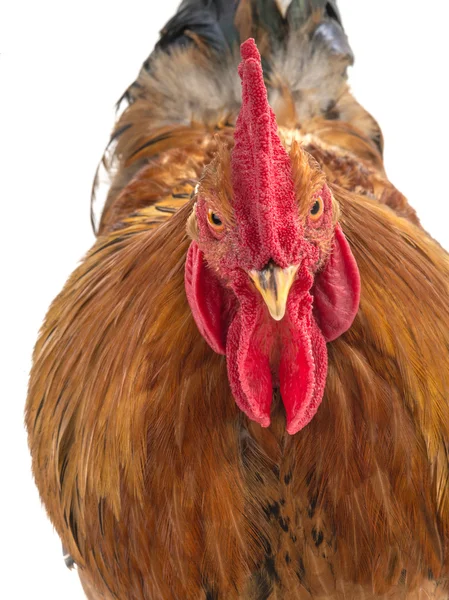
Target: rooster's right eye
(214, 220)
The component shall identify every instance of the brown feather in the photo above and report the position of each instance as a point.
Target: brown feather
(157, 484)
(365, 487)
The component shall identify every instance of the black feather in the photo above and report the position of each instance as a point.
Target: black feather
(194, 20)
(214, 22)
(331, 35)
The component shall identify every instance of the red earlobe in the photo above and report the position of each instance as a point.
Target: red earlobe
(205, 297)
(337, 290)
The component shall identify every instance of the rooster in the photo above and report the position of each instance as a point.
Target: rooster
(242, 392)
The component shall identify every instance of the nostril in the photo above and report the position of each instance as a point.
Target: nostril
(270, 266)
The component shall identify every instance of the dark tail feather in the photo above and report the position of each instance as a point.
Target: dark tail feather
(190, 80)
(219, 26)
(217, 21)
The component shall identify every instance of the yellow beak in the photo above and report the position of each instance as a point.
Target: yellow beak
(274, 284)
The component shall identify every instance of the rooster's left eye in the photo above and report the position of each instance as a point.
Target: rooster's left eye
(214, 220)
(317, 209)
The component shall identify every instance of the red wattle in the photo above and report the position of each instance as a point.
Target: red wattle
(249, 371)
(302, 366)
(302, 374)
(230, 313)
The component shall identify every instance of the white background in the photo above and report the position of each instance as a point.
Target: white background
(62, 67)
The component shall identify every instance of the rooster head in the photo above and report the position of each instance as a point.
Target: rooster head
(270, 277)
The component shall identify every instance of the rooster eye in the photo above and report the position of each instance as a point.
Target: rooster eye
(214, 220)
(317, 209)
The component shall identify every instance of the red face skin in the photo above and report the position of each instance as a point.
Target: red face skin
(266, 228)
(263, 353)
(229, 253)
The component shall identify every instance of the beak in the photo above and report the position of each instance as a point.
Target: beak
(274, 284)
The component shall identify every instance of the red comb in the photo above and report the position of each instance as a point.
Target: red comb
(232, 317)
(261, 172)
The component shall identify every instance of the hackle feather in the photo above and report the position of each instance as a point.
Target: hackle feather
(157, 484)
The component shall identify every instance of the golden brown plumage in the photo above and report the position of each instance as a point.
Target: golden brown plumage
(159, 486)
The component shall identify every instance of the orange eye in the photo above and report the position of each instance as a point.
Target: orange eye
(214, 220)
(317, 209)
